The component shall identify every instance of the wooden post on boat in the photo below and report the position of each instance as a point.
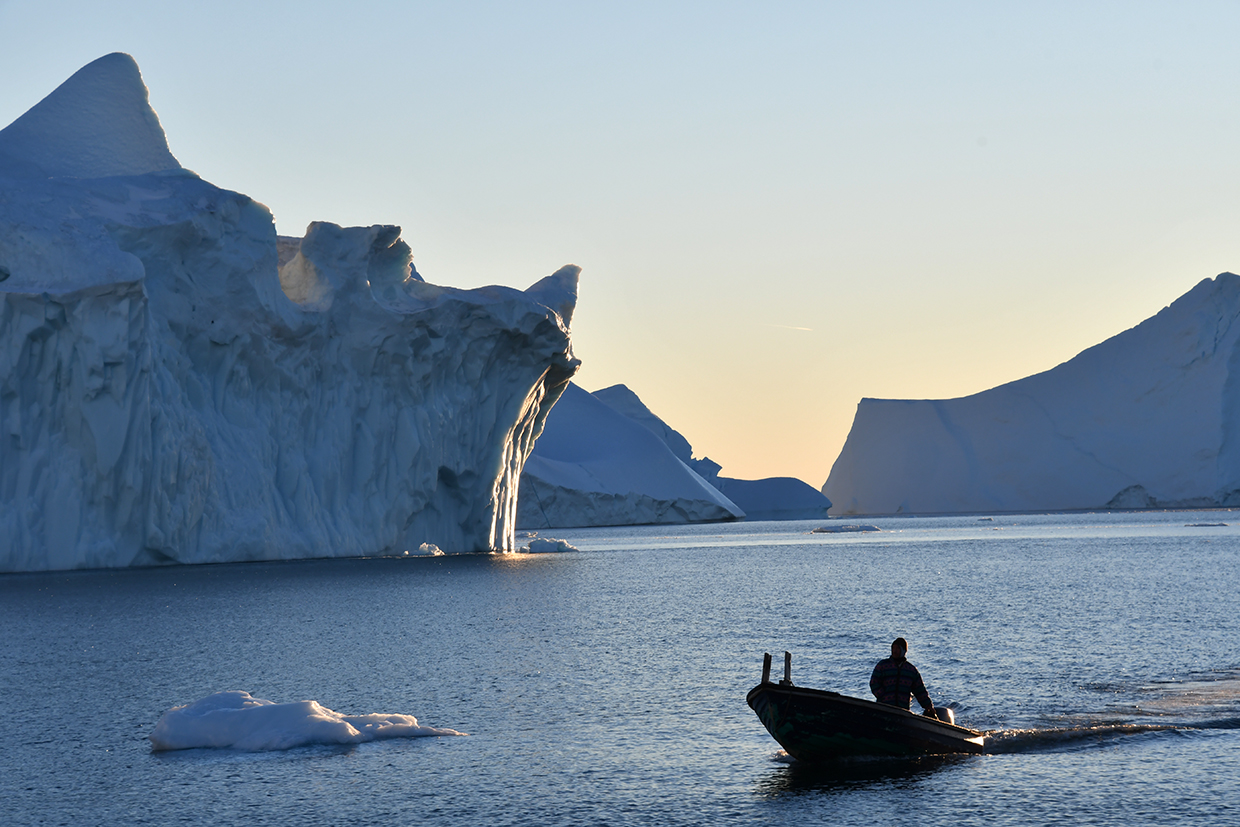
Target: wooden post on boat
(787, 681)
(766, 667)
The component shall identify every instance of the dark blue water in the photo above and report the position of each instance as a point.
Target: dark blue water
(607, 686)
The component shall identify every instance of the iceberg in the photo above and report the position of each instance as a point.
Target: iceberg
(606, 459)
(1149, 418)
(180, 385)
(772, 498)
(593, 466)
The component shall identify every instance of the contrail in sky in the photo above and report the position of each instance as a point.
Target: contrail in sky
(790, 327)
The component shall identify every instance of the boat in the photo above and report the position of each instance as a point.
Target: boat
(817, 725)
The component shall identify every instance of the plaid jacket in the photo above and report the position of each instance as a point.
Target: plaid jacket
(894, 680)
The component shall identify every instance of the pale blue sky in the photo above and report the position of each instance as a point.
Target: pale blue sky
(779, 208)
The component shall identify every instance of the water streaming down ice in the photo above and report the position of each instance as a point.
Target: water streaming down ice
(237, 720)
(1148, 418)
(177, 385)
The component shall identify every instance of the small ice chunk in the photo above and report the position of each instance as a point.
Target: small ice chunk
(237, 720)
(548, 545)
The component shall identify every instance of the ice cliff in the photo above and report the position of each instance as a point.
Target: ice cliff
(179, 385)
(1147, 418)
(607, 459)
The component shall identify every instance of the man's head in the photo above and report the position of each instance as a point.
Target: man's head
(899, 647)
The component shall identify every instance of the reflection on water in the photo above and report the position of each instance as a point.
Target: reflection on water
(794, 777)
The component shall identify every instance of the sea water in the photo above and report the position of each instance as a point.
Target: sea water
(1100, 652)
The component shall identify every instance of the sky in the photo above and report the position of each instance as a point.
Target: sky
(779, 208)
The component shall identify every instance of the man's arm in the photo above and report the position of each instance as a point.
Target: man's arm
(919, 690)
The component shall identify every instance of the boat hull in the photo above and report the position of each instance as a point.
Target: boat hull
(816, 725)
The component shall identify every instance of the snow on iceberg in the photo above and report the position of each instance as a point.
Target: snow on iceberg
(179, 385)
(593, 466)
(237, 720)
(96, 124)
(1147, 418)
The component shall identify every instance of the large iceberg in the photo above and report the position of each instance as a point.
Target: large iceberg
(1148, 418)
(179, 385)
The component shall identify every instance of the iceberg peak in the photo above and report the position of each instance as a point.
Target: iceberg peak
(558, 292)
(97, 124)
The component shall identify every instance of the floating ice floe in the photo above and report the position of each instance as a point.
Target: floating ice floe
(237, 720)
(548, 545)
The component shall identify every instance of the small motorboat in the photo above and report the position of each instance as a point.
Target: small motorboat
(816, 725)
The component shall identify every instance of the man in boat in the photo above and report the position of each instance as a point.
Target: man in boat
(894, 680)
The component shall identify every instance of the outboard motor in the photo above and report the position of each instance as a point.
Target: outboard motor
(943, 713)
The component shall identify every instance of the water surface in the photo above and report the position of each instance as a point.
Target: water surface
(607, 686)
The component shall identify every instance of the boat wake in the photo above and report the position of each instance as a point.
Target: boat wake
(1007, 741)
(1198, 703)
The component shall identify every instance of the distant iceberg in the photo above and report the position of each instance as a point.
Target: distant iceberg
(177, 384)
(606, 459)
(772, 498)
(1149, 418)
(593, 466)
